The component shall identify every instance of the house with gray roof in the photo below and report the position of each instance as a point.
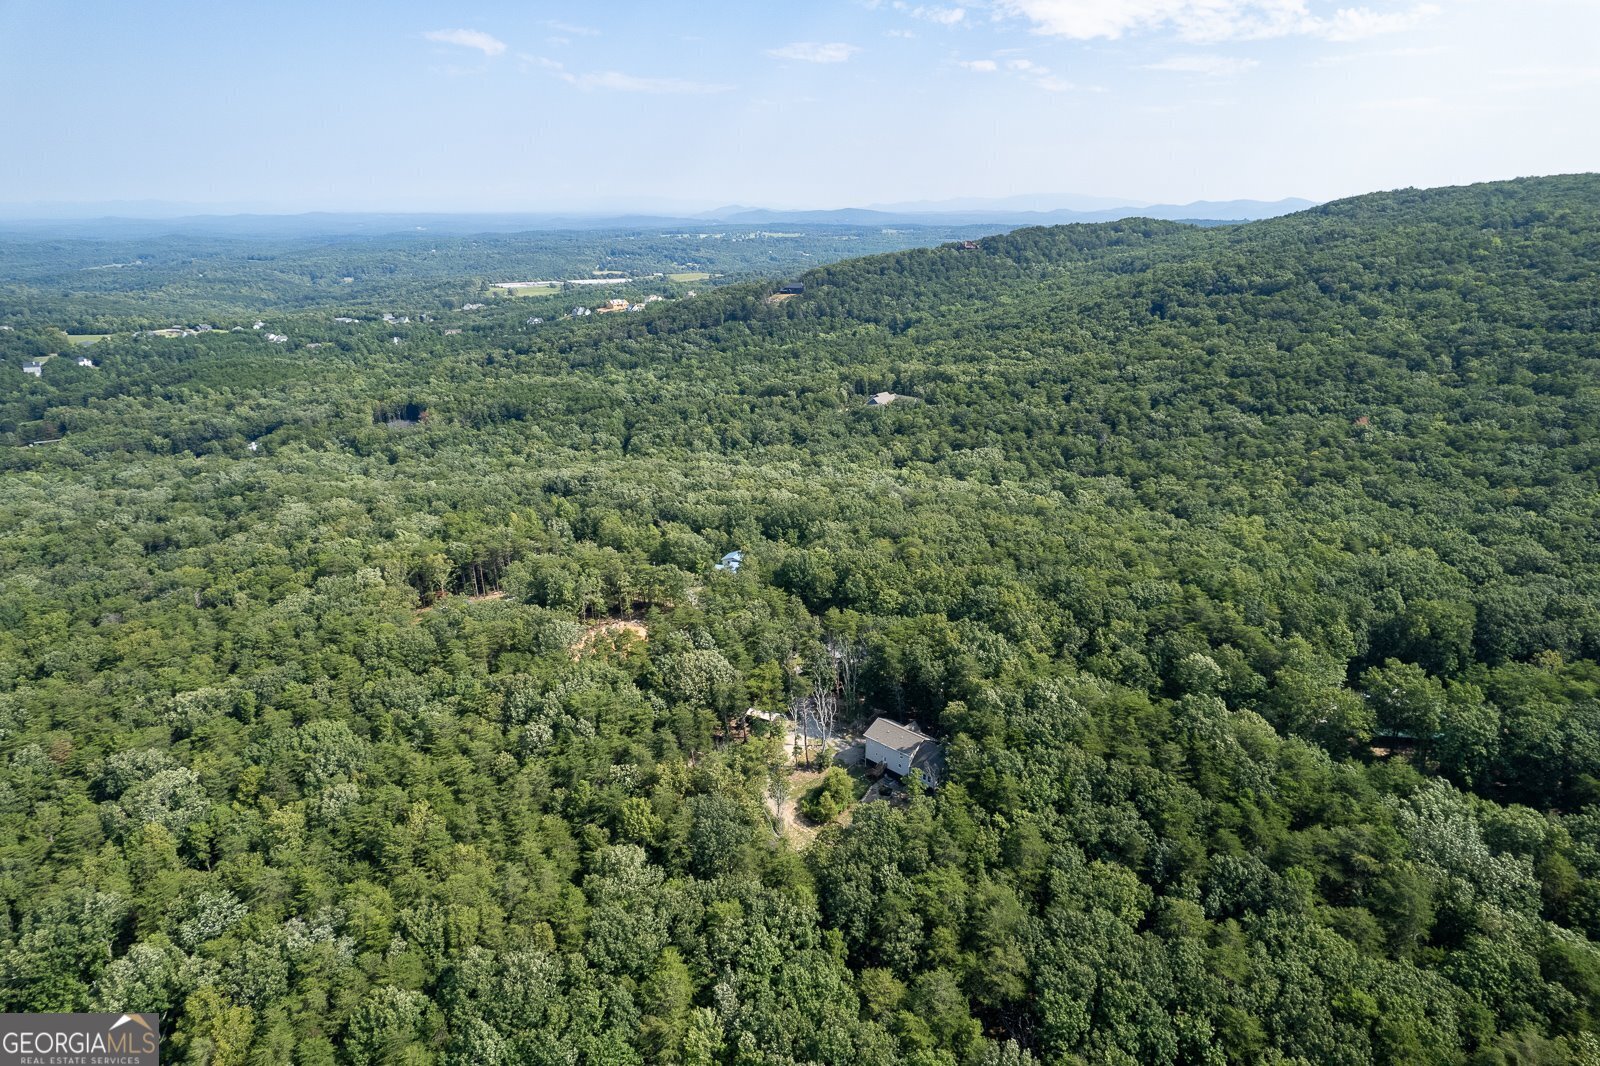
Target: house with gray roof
(901, 749)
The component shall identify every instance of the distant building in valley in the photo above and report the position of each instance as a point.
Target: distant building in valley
(882, 399)
(34, 367)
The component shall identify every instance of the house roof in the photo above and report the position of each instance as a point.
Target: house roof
(896, 736)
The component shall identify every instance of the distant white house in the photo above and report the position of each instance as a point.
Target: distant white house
(580, 312)
(882, 399)
(452, 332)
(277, 338)
(899, 749)
(394, 340)
(84, 360)
(535, 320)
(258, 325)
(346, 319)
(34, 367)
(254, 446)
(731, 562)
(473, 307)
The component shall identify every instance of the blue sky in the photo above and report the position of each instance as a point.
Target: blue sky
(529, 106)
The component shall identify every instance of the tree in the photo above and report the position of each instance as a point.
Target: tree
(829, 797)
(1406, 700)
(665, 1000)
(215, 1031)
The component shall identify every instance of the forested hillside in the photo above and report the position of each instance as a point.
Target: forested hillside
(1249, 576)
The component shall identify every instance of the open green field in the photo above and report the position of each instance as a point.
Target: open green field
(527, 290)
(87, 338)
(693, 275)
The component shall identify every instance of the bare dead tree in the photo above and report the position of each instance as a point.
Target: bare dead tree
(778, 794)
(846, 654)
(800, 711)
(823, 711)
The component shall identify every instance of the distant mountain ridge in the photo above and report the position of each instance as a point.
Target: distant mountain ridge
(1208, 210)
(1005, 212)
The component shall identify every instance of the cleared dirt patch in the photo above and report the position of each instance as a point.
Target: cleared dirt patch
(798, 830)
(608, 630)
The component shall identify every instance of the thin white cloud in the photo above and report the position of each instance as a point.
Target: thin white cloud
(617, 81)
(944, 16)
(1052, 84)
(572, 30)
(489, 46)
(1359, 23)
(1211, 20)
(1208, 65)
(1411, 52)
(630, 83)
(1023, 68)
(811, 52)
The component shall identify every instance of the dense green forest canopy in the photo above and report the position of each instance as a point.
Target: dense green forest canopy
(1248, 575)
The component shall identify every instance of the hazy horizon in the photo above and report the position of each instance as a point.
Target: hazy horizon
(161, 210)
(417, 107)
